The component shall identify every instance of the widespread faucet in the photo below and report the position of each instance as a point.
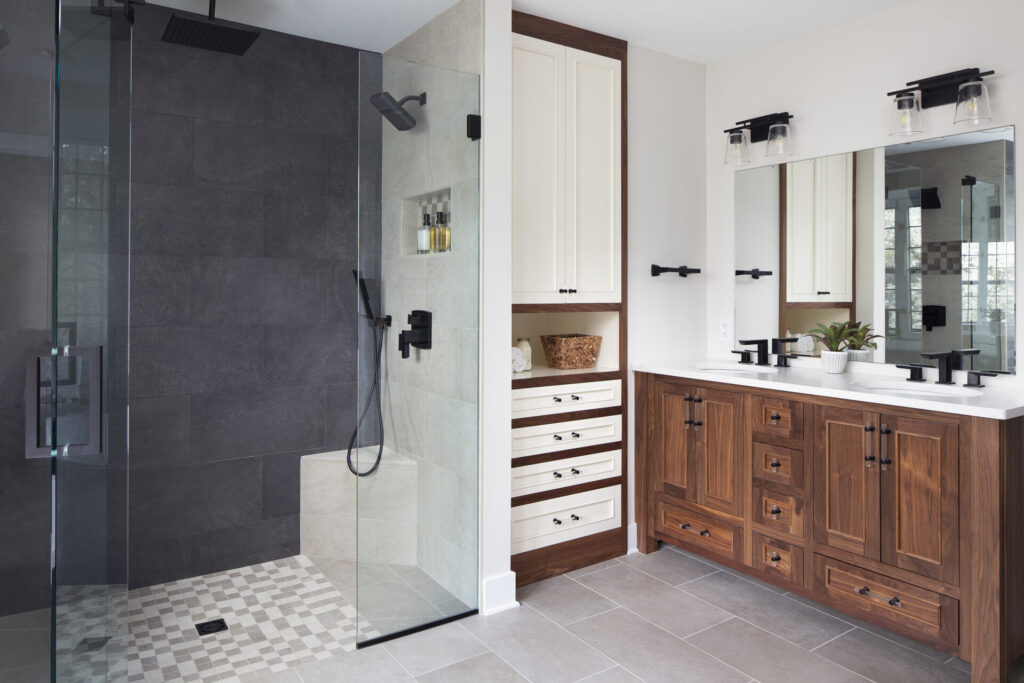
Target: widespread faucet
(762, 349)
(945, 365)
(779, 349)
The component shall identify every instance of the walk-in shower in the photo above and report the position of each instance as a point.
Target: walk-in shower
(200, 251)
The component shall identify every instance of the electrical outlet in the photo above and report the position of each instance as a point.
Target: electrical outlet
(725, 330)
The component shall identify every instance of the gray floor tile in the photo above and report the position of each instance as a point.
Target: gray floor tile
(766, 657)
(22, 648)
(393, 600)
(288, 676)
(535, 647)
(39, 673)
(434, 592)
(960, 664)
(486, 667)
(648, 651)
(40, 618)
(670, 608)
(345, 573)
(613, 675)
(371, 665)
(563, 600)
(592, 568)
(773, 612)
(884, 660)
(434, 648)
(670, 566)
(920, 648)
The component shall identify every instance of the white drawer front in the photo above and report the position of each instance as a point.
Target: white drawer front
(563, 436)
(557, 474)
(565, 398)
(581, 514)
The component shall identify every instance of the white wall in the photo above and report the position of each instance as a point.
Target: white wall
(666, 211)
(834, 83)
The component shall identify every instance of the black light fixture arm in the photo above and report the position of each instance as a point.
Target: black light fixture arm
(755, 273)
(759, 125)
(682, 270)
(941, 89)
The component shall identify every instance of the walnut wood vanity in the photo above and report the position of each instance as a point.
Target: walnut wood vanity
(906, 518)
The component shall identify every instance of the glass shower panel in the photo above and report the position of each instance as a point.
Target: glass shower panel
(88, 438)
(419, 232)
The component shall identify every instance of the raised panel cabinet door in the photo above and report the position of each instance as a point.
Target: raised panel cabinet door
(593, 149)
(834, 264)
(920, 496)
(538, 171)
(801, 221)
(675, 462)
(846, 469)
(719, 435)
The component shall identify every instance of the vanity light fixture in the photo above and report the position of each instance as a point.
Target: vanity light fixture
(772, 127)
(965, 87)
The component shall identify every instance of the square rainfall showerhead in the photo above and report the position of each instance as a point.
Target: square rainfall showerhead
(210, 34)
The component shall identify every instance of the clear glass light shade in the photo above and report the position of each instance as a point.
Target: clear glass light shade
(780, 143)
(906, 115)
(737, 147)
(972, 107)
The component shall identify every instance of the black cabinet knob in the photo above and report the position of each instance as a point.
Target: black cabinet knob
(558, 475)
(775, 417)
(574, 471)
(869, 428)
(776, 557)
(705, 533)
(576, 435)
(864, 591)
(895, 602)
(685, 526)
(575, 397)
(557, 437)
(556, 520)
(775, 464)
(563, 291)
(557, 399)
(869, 459)
(574, 518)
(776, 511)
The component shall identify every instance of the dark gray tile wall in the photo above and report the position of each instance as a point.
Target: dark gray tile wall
(243, 327)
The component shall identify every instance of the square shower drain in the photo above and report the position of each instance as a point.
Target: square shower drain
(214, 626)
(92, 644)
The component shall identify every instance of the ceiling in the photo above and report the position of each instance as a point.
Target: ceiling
(365, 24)
(704, 31)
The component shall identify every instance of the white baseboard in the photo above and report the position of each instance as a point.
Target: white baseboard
(631, 546)
(498, 593)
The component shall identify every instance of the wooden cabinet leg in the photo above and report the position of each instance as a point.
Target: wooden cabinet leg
(647, 544)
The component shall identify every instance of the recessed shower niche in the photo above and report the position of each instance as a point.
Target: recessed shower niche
(427, 223)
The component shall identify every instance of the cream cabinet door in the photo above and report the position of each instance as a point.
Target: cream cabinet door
(835, 228)
(593, 105)
(538, 171)
(801, 241)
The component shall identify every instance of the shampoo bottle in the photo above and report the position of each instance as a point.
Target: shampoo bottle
(423, 236)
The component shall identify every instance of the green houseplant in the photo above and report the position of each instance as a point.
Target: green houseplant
(859, 345)
(834, 337)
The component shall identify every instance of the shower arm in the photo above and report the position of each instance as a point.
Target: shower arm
(421, 98)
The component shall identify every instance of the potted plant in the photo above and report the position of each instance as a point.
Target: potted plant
(859, 345)
(834, 337)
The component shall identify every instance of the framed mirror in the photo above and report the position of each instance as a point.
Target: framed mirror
(915, 240)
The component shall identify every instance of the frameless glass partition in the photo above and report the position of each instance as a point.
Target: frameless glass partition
(418, 274)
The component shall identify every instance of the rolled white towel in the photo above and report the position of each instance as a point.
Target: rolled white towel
(518, 360)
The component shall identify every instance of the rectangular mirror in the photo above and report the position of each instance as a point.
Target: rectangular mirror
(915, 240)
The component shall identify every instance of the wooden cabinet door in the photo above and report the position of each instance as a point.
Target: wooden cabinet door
(920, 501)
(675, 465)
(720, 444)
(846, 481)
(593, 151)
(538, 171)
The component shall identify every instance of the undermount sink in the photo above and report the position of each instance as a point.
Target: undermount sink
(916, 389)
(735, 367)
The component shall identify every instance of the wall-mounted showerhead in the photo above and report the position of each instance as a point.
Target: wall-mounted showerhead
(210, 34)
(393, 110)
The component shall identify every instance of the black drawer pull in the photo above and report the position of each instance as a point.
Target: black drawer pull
(775, 417)
(574, 518)
(705, 533)
(557, 437)
(824, 293)
(575, 471)
(868, 459)
(869, 428)
(685, 526)
(776, 558)
(563, 291)
(895, 602)
(556, 520)
(558, 475)
(775, 512)
(575, 397)
(864, 591)
(572, 291)
(775, 464)
(576, 435)
(557, 399)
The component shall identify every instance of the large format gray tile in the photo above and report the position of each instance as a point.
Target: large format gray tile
(370, 665)
(614, 675)
(535, 647)
(434, 648)
(39, 618)
(884, 660)
(24, 648)
(485, 667)
(670, 608)
(648, 651)
(563, 600)
(669, 566)
(161, 149)
(393, 600)
(781, 616)
(766, 657)
(590, 569)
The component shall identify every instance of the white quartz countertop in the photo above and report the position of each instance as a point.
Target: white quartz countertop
(998, 403)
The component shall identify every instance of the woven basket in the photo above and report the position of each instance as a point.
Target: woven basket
(570, 351)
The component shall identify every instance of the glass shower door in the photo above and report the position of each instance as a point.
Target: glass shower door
(417, 451)
(84, 372)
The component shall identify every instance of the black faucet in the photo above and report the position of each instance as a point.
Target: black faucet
(945, 364)
(779, 349)
(974, 377)
(958, 357)
(762, 349)
(916, 371)
(420, 334)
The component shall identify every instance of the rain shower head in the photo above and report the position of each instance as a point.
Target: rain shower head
(393, 110)
(210, 34)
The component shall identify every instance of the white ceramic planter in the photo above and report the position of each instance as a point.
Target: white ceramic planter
(834, 362)
(859, 354)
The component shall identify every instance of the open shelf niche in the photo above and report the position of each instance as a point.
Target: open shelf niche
(413, 209)
(533, 325)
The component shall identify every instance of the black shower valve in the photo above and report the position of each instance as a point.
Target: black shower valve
(419, 336)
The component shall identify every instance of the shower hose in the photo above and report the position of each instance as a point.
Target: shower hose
(379, 332)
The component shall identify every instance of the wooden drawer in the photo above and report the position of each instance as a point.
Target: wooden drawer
(558, 474)
(903, 607)
(780, 512)
(698, 531)
(778, 417)
(565, 398)
(781, 559)
(548, 522)
(563, 436)
(778, 465)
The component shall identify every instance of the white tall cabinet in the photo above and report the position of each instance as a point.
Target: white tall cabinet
(566, 174)
(819, 230)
